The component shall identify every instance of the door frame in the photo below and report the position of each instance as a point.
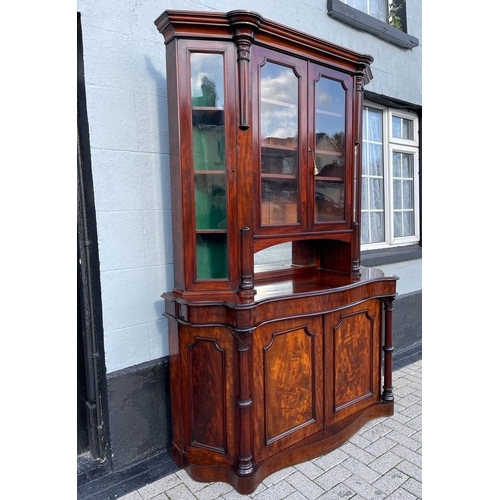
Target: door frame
(88, 281)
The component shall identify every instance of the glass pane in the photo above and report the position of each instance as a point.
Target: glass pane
(210, 201)
(330, 150)
(402, 128)
(409, 227)
(407, 194)
(365, 193)
(375, 159)
(276, 255)
(407, 129)
(211, 256)
(364, 164)
(207, 79)
(279, 201)
(329, 201)
(279, 106)
(378, 9)
(330, 116)
(372, 187)
(365, 228)
(396, 164)
(209, 164)
(279, 161)
(279, 125)
(376, 194)
(373, 125)
(407, 165)
(209, 147)
(398, 224)
(279, 135)
(376, 227)
(396, 189)
(361, 5)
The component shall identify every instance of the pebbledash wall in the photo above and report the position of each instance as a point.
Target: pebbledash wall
(125, 84)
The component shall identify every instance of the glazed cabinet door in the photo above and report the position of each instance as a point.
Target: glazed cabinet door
(288, 383)
(352, 359)
(330, 121)
(303, 127)
(206, 182)
(206, 379)
(280, 133)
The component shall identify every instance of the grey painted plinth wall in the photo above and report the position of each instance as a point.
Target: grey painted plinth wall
(407, 321)
(139, 413)
(138, 397)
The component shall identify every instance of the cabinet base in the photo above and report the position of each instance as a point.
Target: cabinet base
(316, 445)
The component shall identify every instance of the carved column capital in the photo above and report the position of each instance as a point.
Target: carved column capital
(243, 338)
(244, 25)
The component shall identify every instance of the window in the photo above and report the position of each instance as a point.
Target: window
(374, 8)
(385, 19)
(390, 192)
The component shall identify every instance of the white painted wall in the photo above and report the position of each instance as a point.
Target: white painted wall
(124, 58)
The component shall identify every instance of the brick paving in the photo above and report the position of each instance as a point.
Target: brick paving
(382, 461)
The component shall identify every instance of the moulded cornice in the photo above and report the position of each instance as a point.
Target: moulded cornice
(219, 25)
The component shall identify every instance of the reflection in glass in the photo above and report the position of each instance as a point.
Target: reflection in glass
(279, 105)
(329, 201)
(279, 135)
(279, 161)
(279, 201)
(210, 201)
(276, 255)
(209, 147)
(209, 158)
(207, 79)
(330, 150)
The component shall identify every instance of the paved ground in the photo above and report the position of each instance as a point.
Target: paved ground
(382, 461)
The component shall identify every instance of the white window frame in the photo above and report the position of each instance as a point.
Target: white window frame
(392, 144)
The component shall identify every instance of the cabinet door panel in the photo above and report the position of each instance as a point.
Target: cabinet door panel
(207, 386)
(352, 357)
(288, 383)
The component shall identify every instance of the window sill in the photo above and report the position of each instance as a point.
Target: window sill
(371, 258)
(359, 20)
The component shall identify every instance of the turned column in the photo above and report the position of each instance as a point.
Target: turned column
(387, 394)
(244, 402)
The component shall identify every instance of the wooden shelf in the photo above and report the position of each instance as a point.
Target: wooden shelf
(278, 176)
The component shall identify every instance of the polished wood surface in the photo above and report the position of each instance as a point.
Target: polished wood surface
(298, 369)
(274, 365)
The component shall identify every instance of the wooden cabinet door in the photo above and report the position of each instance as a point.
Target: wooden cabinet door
(207, 358)
(352, 360)
(288, 383)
